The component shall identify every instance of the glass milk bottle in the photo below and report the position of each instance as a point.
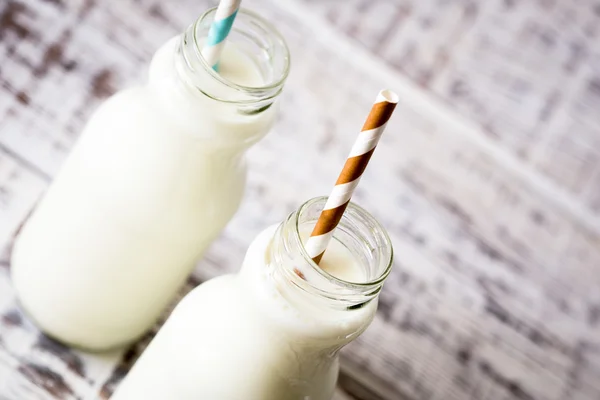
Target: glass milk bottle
(156, 174)
(272, 331)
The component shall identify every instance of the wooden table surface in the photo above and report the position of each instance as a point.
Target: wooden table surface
(488, 179)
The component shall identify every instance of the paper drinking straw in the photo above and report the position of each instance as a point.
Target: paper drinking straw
(350, 176)
(224, 17)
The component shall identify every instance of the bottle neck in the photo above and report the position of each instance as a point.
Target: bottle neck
(358, 232)
(207, 105)
(254, 42)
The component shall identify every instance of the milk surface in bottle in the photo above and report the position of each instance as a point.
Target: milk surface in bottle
(156, 174)
(272, 331)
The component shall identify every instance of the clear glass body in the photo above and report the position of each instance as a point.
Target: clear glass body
(267, 333)
(156, 174)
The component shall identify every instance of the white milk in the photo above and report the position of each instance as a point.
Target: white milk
(254, 335)
(337, 260)
(156, 174)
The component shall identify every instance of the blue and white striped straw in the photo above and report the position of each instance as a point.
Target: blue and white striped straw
(224, 17)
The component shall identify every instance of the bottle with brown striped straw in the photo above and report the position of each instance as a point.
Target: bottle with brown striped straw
(281, 309)
(355, 165)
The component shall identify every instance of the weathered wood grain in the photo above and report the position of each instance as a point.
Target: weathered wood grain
(526, 71)
(492, 207)
(20, 187)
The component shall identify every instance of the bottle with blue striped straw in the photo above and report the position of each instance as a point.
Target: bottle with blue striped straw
(175, 178)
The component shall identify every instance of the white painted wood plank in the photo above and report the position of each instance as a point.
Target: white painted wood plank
(526, 72)
(19, 190)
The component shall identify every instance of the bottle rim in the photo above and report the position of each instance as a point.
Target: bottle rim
(274, 87)
(375, 229)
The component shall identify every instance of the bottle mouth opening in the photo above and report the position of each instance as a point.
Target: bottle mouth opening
(360, 231)
(271, 54)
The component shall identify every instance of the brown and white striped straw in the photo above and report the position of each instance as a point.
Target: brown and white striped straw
(350, 176)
